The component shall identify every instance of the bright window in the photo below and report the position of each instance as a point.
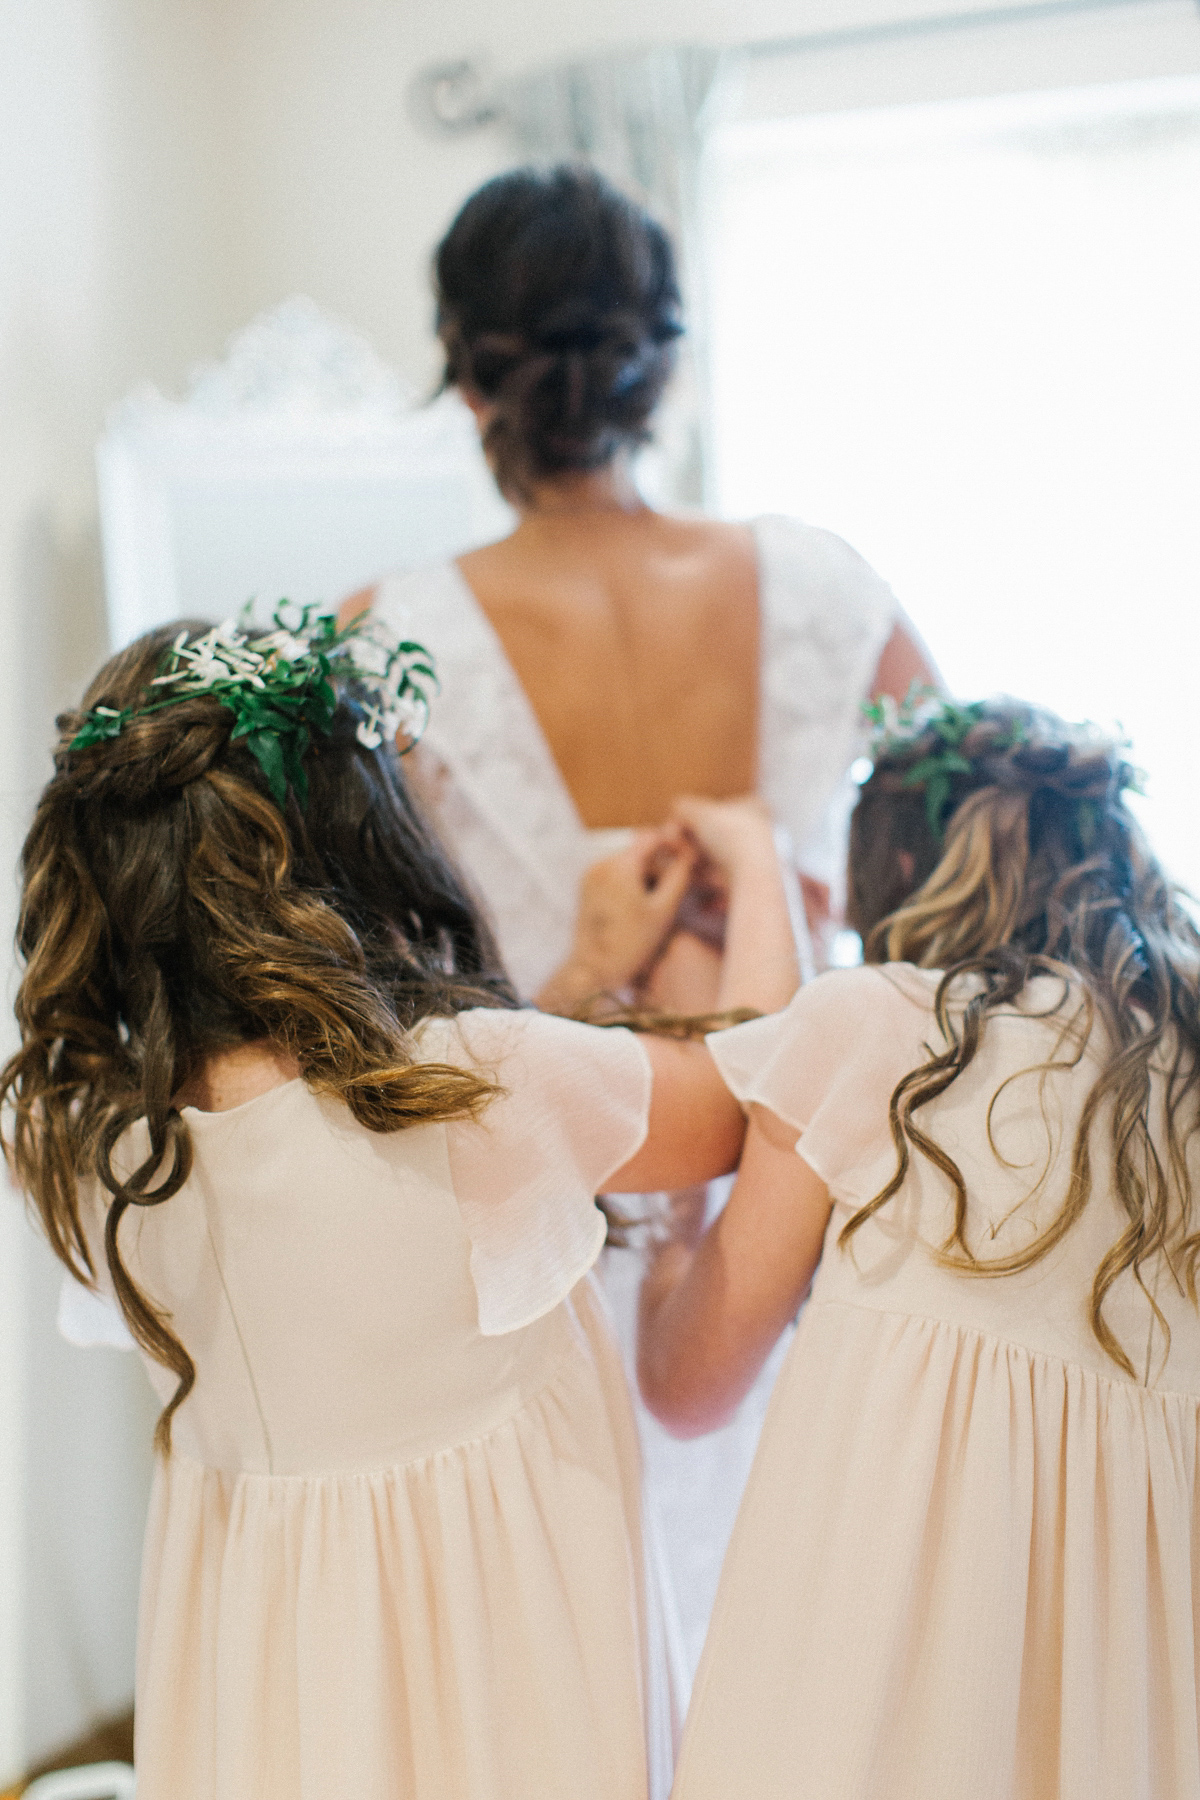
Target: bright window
(966, 335)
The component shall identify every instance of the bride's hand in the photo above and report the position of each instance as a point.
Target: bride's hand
(627, 908)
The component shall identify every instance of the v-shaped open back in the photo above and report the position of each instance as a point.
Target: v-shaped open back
(487, 772)
(635, 638)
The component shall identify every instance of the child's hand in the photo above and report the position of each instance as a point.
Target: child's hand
(627, 908)
(731, 833)
(761, 965)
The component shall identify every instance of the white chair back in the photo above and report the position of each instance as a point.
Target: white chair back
(299, 466)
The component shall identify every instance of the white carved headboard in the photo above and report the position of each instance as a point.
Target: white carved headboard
(297, 466)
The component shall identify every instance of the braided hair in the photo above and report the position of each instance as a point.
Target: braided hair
(170, 910)
(558, 304)
(1030, 826)
(1030, 863)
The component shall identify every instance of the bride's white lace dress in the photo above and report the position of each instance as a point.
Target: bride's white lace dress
(485, 772)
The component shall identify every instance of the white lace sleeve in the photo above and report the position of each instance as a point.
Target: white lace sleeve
(826, 616)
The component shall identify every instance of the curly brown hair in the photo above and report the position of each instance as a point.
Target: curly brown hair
(171, 910)
(1042, 869)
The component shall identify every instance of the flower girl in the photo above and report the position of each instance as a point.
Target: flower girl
(274, 1095)
(968, 1560)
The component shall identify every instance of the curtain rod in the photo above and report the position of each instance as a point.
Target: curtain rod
(451, 98)
(885, 30)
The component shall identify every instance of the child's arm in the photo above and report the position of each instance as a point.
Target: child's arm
(629, 901)
(760, 966)
(696, 1127)
(712, 1310)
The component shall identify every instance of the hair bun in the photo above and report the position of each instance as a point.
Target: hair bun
(154, 755)
(558, 303)
(580, 325)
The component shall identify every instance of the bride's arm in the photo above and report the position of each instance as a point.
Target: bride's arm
(905, 658)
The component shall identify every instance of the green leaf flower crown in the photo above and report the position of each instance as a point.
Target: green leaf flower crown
(899, 724)
(941, 728)
(279, 686)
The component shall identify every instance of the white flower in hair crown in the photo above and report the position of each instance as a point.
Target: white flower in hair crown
(279, 685)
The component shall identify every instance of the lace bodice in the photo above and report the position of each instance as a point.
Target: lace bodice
(486, 772)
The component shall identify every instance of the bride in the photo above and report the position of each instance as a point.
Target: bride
(607, 658)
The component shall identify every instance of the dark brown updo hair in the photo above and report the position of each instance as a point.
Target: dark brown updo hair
(558, 303)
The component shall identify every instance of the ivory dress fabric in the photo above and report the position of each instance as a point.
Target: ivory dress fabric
(966, 1566)
(397, 1549)
(486, 774)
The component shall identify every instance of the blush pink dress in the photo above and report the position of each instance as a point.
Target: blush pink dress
(967, 1565)
(397, 1549)
(486, 775)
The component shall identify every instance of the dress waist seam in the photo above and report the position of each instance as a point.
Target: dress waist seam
(377, 1471)
(1118, 1382)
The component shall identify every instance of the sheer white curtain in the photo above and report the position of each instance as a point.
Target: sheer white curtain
(963, 333)
(638, 117)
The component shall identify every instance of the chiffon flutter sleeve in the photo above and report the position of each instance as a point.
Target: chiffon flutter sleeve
(574, 1107)
(828, 1063)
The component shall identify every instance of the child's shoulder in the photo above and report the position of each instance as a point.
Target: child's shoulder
(867, 988)
(835, 1017)
(489, 1032)
(916, 986)
(842, 1042)
(524, 1048)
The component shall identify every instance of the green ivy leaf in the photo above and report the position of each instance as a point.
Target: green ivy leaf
(99, 727)
(294, 747)
(277, 719)
(267, 751)
(931, 767)
(957, 722)
(937, 793)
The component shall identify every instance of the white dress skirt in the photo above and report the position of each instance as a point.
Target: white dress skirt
(397, 1548)
(486, 775)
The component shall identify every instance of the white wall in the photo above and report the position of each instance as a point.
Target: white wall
(343, 196)
(114, 269)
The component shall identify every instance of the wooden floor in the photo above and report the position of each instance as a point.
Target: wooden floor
(111, 1741)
